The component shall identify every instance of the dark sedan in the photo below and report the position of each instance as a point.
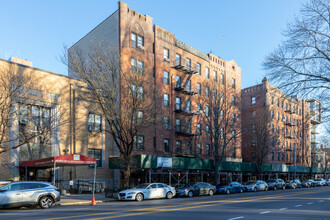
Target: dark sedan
(276, 184)
(292, 184)
(196, 189)
(230, 187)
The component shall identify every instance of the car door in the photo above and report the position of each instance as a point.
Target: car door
(152, 191)
(161, 190)
(11, 195)
(31, 191)
(197, 189)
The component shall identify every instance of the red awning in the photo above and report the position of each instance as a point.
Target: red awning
(63, 160)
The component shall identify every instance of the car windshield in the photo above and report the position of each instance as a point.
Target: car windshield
(271, 181)
(250, 183)
(2, 184)
(188, 185)
(142, 186)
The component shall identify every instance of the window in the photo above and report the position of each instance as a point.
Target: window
(215, 75)
(166, 78)
(188, 85)
(198, 88)
(23, 115)
(233, 100)
(133, 65)
(167, 123)
(140, 67)
(207, 72)
(188, 64)
(253, 114)
(222, 133)
(272, 100)
(35, 113)
(189, 148)
(178, 59)
(94, 122)
(166, 54)
(208, 150)
(253, 128)
(221, 97)
(278, 116)
(138, 142)
(233, 132)
(198, 66)
(178, 103)
(35, 92)
(178, 147)
(272, 114)
(188, 106)
(199, 129)
(137, 92)
(178, 82)
(198, 108)
(222, 79)
(166, 145)
(207, 111)
(273, 128)
(45, 117)
(253, 100)
(188, 127)
(199, 148)
(97, 154)
(178, 125)
(207, 91)
(253, 155)
(166, 101)
(207, 130)
(234, 117)
(234, 152)
(140, 44)
(221, 114)
(138, 118)
(133, 40)
(233, 83)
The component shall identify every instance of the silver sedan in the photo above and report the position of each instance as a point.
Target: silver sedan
(258, 185)
(147, 191)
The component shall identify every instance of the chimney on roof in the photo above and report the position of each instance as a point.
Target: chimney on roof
(20, 61)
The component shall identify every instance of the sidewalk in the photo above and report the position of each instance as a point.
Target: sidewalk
(83, 199)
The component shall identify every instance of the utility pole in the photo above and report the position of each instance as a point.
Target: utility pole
(294, 161)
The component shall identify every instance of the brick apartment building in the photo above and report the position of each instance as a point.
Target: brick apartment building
(291, 125)
(181, 75)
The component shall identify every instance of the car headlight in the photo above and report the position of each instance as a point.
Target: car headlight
(130, 193)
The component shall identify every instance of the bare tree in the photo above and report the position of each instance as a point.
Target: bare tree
(301, 63)
(124, 95)
(262, 136)
(221, 123)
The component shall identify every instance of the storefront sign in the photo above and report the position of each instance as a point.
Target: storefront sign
(164, 162)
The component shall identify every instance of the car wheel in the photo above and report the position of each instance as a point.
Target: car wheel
(293, 187)
(190, 194)
(241, 190)
(211, 192)
(283, 187)
(255, 189)
(169, 195)
(275, 188)
(139, 197)
(266, 189)
(46, 202)
(228, 191)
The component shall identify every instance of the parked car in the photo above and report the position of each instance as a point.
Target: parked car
(28, 194)
(258, 185)
(147, 191)
(196, 189)
(276, 184)
(320, 182)
(312, 183)
(292, 184)
(230, 187)
(328, 182)
(305, 184)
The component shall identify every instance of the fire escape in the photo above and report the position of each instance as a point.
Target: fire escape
(290, 135)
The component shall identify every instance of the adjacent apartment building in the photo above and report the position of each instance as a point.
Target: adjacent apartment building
(289, 124)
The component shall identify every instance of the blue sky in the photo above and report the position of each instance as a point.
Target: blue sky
(37, 30)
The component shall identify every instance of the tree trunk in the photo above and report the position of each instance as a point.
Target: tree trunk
(217, 173)
(127, 172)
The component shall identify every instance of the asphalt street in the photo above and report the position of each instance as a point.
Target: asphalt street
(311, 203)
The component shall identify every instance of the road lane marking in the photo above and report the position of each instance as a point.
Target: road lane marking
(321, 200)
(187, 206)
(265, 212)
(310, 203)
(283, 208)
(298, 205)
(236, 218)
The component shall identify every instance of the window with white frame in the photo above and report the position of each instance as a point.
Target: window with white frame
(207, 72)
(222, 79)
(215, 75)
(188, 64)
(138, 142)
(166, 145)
(253, 100)
(178, 81)
(178, 59)
(94, 122)
(198, 88)
(166, 77)
(166, 54)
(167, 122)
(166, 100)
(198, 66)
(178, 125)
(178, 146)
(178, 103)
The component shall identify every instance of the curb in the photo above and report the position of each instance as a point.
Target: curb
(82, 203)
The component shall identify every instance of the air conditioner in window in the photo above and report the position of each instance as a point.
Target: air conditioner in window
(166, 59)
(141, 47)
